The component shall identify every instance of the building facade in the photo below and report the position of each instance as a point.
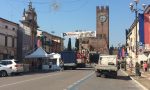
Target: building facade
(8, 38)
(17, 41)
(29, 28)
(50, 42)
(131, 41)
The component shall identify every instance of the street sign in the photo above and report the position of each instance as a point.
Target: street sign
(140, 49)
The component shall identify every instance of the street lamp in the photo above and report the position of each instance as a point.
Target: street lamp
(136, 10)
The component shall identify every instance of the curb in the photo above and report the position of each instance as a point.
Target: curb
(144, 88)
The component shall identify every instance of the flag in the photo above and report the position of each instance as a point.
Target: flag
(38, 43)
(147, 28)
(123, 52)
(119, 52)
(141, 28)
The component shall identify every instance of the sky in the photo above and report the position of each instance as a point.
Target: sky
(71, 15)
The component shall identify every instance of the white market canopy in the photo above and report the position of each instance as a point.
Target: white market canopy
(149, 56)
(38, 53)
(142, 57)
(54, 55)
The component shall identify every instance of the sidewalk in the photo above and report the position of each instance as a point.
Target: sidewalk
(143, 81)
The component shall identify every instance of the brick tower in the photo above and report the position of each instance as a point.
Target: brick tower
(102, 29)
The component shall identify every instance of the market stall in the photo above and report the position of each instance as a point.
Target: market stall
(37, 60)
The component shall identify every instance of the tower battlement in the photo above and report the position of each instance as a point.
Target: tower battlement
(102, 8)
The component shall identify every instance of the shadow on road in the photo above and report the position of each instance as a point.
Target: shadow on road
(84, 69)
(32, 73)
(123, 78)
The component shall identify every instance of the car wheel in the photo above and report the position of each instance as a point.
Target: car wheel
(103, 76)
(4, 73)
(98, 74)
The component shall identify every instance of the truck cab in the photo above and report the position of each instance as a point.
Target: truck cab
(107, 66)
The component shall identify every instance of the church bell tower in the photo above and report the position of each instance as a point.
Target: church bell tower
(30, 26)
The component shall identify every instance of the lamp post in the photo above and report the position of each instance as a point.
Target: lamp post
(136, 10)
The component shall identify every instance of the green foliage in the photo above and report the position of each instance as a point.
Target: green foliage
(77, 44)
(111, 50)
(69, 45)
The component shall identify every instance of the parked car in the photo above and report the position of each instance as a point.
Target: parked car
(5, 71)
(14, 65)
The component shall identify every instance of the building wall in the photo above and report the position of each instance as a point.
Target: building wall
(51, 43)
(8, 38)
(131, 40)
(29, 28)
(131, 49)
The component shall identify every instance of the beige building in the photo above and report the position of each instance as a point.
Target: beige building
(51, 43)
(8, 38)
(131, 42)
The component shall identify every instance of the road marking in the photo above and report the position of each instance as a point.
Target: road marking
(79, 81)
(37, 78)
(144, 88)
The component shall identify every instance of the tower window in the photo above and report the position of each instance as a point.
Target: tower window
(13, 42)
(5, 40)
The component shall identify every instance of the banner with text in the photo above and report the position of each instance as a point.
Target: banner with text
(80, 34)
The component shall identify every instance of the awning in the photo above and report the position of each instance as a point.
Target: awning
(38, 53)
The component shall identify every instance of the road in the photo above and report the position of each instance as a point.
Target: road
(81, 79)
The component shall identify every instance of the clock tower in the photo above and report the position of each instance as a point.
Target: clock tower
(102, 29)
(29, 26)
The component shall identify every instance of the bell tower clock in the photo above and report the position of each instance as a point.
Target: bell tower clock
(102, 29)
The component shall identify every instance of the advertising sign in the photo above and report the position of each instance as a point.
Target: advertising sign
(81, 34)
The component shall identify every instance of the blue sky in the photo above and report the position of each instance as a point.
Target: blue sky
(74, 15)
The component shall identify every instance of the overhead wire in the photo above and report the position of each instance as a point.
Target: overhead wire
(57, 4)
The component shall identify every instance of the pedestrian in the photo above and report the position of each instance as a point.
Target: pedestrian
(130, 66)
(145, 66)
(137, 69)
(118, 65)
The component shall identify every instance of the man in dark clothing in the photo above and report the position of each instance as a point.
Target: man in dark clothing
(137, 69)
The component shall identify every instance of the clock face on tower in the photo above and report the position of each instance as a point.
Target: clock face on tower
(102, 18)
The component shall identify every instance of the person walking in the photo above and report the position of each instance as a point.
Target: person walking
(130, 66)
(145, 66)
(137, 69)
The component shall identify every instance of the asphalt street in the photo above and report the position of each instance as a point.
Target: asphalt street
(81, 79)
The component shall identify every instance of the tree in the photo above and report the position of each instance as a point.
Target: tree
(111, 50)
(77, 44)
(69, 45)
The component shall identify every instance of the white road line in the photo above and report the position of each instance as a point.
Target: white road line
(77, 82)
(37, 78)
(144, 88)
